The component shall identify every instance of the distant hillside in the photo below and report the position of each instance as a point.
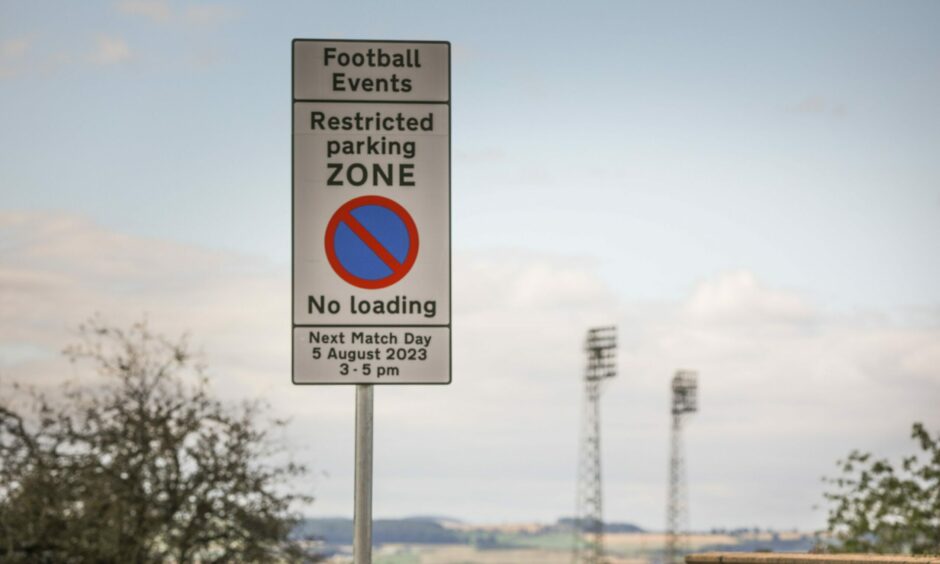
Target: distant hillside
(416, 530)
(438, 535)
(569, 523)
(434, 530)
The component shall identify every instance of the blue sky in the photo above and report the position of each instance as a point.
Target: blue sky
(708, 132)
(747, 164)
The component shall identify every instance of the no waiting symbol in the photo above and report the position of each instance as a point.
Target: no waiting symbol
(371, 242)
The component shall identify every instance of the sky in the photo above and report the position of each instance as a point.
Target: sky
(750, 190)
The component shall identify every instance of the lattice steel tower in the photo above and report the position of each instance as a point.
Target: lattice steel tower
(684, 402)
(589, 525)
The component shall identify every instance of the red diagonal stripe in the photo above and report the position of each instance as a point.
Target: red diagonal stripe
(374, 245)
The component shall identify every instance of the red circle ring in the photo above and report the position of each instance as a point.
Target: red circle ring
(397, 273)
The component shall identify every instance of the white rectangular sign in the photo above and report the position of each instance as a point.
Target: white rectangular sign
(371, 212)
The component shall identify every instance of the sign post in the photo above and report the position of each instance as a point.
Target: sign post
(362, 499)
(371, 229)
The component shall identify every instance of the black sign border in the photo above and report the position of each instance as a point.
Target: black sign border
(450, 227)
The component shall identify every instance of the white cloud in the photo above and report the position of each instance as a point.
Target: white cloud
(110, 50)
(12, 53)
(786, 387)
(162, 12)
(737, 298)
(14, 48)
(155, 10)
(23, 56)
(207, 14)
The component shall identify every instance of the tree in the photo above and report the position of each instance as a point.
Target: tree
(146, 467)
(883, 509)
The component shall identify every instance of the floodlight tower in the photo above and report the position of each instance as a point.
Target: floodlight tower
(684, 402)
(589, 525)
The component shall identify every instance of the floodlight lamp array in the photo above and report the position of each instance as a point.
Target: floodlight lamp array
(684, 392)
(601, 347)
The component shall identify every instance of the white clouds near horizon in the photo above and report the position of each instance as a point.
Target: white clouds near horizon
(786, 386)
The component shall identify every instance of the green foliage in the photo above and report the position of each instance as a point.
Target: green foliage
(879, 508)
(147, 467)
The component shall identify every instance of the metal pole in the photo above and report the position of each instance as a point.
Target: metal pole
(674, 499)
(362, 516)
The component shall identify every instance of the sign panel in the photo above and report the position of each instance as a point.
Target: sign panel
(399, 71)
(371, 212)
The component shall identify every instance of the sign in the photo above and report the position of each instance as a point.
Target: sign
(371, 212)
(371, 242)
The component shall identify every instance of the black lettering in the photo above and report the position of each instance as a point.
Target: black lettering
(337, 168)
(338, 82)
(349, 174)
(316, 120)
(427, 123)
(332, 147)
(322, 306)
(386, 174)
(406, 174)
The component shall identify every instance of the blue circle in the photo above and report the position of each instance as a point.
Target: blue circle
(357, 257)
